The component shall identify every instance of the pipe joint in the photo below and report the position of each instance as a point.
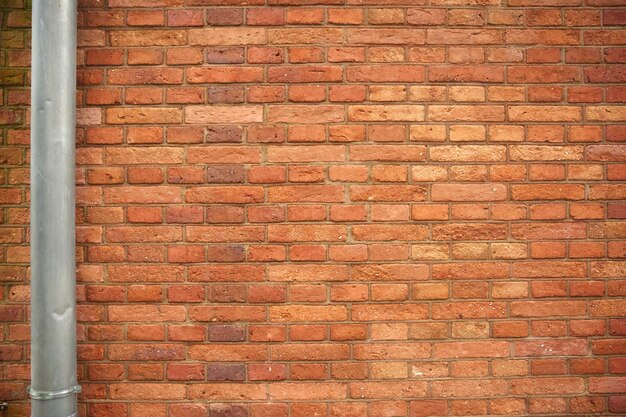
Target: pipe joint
(51, 395)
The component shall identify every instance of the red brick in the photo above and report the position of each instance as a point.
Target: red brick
(462, 74)
(389, 312)
(348, 332)
(185, 254)
(469, 388)
(224, 75)
(547, 192)
(606, 384)
(269, 410)
(305, 193)
(225, 392)
(309, 153)
(472, 349)
(313, 94)
(307, 332)
(143, 115)
(307, 253)
(487, 192)
(547, 308)
(463, 36)
(305, 114)
(468, 231)
(316, 352)
(387, 153)
(182, 214)
(379, 113)
(265, 55)
(385, 73)
(266, 94)
(387, 193)
(347, 54)
(304, 15)
(423, 408)
(305, 74)
(267, 294)
(307, 272)
(231, 55)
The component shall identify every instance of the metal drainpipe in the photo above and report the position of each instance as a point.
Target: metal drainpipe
(53, 260)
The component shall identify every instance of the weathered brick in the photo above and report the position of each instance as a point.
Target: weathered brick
(385, 73)
(222, 114)
(451, 192)
(143, 115)
(305, 114)
(147, 37)
(491, 74)
(318, 153)
(230, 36)
(464, 36)
(375, 113)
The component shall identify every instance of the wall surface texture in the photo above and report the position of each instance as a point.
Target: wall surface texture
(335, 208)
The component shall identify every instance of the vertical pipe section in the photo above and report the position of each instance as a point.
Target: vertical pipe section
(53, 261)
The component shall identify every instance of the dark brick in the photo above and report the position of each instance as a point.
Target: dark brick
(225, 55)
(225, 174)
(225, 372)
(227, 333)
(224, 17)
(226, 253)
(222, 134)
(221, 94)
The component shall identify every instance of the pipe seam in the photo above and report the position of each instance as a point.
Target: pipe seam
(51, 395)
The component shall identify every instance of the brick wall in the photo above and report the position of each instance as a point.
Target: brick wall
(335, 208)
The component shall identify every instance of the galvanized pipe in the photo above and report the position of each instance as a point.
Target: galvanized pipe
(53, 261)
